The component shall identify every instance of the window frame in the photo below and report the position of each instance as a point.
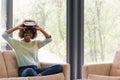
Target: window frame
(75, 37)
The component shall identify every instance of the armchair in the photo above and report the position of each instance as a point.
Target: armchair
(103, 71)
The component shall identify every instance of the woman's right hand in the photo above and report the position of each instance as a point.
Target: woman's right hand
(20, 26)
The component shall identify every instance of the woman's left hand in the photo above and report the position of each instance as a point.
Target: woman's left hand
(38, 27)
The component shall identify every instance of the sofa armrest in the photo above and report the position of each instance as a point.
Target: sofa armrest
(99, 69)
(66, 68)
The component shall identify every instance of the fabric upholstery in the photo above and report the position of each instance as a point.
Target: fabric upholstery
(115, 69)
(58, 76)
(11, 63)
(9, 69)
(14, 78)
(3, 72)
(100, 69)
(105, 71)
(102, 77)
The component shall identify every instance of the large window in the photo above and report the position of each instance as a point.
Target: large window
(102, 30)
(50, 15)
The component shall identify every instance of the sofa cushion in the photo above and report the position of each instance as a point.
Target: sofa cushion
(102, 77)
(115, 69)
(15, 78)
(11, 64)
(58, 76)
(3, 71)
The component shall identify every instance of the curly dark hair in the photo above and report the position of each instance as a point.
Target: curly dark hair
(22, 32)
(33, 30)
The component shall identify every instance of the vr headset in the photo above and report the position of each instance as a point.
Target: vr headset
(29, 25)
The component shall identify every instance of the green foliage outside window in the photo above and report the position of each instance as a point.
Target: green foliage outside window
(102, 30)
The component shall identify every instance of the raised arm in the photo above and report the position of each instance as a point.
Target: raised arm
(9, 31)
(43, 31)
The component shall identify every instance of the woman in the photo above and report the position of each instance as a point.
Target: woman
(26, 50)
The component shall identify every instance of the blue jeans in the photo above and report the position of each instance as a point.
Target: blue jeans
(33, 70)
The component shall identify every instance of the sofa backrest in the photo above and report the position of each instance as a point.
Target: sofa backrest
(3, 71)
(115, 69)
(10, 63)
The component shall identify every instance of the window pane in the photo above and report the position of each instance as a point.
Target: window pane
(51, 15)
(2, 23)
(102, 37)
